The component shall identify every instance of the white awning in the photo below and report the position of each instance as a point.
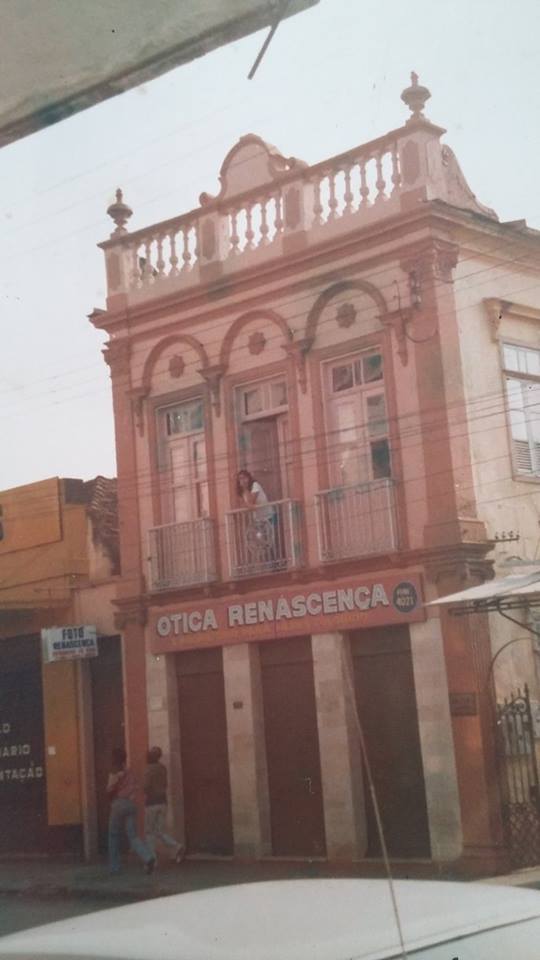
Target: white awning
(514, 591)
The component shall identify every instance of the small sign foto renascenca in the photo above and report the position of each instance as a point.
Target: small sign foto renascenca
(69, 643)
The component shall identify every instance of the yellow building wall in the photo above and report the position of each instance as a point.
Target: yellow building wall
(45, 557)
(62, 743)
(44, 545)
(30, 515)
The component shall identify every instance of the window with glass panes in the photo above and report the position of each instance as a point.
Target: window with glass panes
(182, 456)
(358, 431)
(264, 447)
(522, 375)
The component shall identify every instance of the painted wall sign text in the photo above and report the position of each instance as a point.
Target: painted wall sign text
(346, 605)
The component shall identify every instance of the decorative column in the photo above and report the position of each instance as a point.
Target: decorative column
(118, 254)
(130, 621)
(247, 752)
(164, 731)
(436, 740)
(339, 745)
(467, 653)
(131, 612)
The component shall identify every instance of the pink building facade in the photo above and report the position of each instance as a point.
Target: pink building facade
(303, 325)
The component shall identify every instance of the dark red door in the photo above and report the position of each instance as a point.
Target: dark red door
(204, 752)
(260, 455)
(108, 721)
(292, 748)
(386, 702)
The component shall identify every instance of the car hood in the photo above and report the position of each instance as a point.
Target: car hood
(281, 920)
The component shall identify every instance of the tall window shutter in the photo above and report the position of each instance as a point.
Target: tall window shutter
(522, 456)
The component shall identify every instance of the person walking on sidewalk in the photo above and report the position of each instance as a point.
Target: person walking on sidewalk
(122, 789)
(155, 810)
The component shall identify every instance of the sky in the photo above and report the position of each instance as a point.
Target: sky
(330, 80)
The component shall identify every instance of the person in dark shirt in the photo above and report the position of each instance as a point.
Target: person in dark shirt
(155, 809)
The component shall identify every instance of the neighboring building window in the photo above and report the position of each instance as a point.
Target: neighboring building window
(1, 523)
(522, 373)
(262, 416)
(183, 463)
(358, 435)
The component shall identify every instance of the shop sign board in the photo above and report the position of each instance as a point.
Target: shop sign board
(349, 604)
(69, 643)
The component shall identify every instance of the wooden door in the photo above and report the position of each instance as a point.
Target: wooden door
(386, 702)
(108, 722)
(292, 748)
(260, 454)
(204, 752)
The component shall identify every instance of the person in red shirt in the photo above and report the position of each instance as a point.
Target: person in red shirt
(122, 789)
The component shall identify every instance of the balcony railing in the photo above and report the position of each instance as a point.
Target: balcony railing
(356, 521)
(182, 554)
(264, 539)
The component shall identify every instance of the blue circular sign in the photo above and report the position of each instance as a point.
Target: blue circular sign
(405, 597)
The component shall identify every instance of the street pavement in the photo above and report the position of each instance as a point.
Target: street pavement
(22, 912)
(65, 879)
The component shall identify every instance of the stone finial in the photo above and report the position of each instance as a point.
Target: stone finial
(120, 213)
(415, 97)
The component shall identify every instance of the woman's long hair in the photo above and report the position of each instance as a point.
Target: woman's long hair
(243, 473)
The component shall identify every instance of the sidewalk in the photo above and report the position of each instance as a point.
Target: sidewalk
(63, 878)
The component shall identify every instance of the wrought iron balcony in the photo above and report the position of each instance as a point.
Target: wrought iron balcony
(264, 539)
(182, 554)
(356, 521)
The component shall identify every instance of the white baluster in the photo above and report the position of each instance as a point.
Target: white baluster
(279, 216)
(186, 253)
(348, 196)
(235, 239)
(147, 272)
(317, 206)
(263, 242)
(380, 183)
(136, 269)
(332, 201)
(250, 235)
(364, 188)
(396, 174)
(160, 263)
(173, 259)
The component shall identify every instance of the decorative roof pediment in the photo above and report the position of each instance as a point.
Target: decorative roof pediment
(250, 164)
(458, 191)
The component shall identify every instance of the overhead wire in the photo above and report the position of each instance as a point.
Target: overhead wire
(308, 294)
(143, 481)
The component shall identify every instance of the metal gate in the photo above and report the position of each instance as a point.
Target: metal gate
(518, 774)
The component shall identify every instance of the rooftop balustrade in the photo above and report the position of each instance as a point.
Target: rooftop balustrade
(266, 198)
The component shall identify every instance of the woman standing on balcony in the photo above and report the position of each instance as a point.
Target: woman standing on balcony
(252, 494)
(259, 531)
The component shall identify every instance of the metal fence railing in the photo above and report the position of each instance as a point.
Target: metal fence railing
(182, 554)
(264, 539)
(357, 520)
